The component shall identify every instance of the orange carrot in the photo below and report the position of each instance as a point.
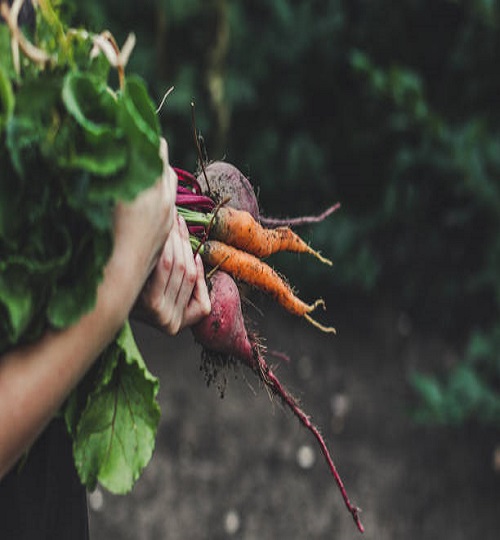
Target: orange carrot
(246, 267)
(238, 228)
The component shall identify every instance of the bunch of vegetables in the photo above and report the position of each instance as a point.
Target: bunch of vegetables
(232, 243)
(71, 147)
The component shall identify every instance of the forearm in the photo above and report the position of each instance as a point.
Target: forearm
(36, 379)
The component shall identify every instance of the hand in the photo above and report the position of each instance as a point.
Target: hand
(142, 227)
(176, 294)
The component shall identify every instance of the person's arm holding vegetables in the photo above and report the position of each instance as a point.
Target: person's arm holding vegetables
(150, 241)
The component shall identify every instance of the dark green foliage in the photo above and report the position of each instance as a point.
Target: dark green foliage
(471, 390)
(71, 147)
(389, 108)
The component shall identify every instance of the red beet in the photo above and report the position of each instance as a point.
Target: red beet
(227, 181)
(224, 332)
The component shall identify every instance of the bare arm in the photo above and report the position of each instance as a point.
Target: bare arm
(36, 379)
(149, 242)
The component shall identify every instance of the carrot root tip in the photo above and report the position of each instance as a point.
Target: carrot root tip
(320, 257)
(316, 304)
(326, 329)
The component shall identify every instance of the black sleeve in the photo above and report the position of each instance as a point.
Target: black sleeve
(43, 498)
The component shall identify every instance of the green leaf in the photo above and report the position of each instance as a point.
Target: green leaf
(71, 412)
(30, 131)
(139, 122)
(141, 109)
(44, 254)
(90, 103)
(432, 396)
(5, 51)
(11, 191)
(75, 292)
(6, 98)
(98, 213)
(23, 136)
(16, 304)
(98, 144)
(116, 432)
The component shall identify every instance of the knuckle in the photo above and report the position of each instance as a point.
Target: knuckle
(181, 267)
(206, 308)
(164, 320)
(167, 263)
(155, 305)
(174, 326)
(191, 276)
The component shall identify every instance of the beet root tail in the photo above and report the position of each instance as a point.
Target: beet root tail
(298, 221)
(274, 385)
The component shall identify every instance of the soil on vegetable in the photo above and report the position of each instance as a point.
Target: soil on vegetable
(242, 467)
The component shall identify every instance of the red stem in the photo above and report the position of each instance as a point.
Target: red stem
(280, 355)
(189, 199)
(188, 178)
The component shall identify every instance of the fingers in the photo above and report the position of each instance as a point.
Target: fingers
(182, 278)
(188, 267)
(176, 294)
(199, 305)
(170, 286)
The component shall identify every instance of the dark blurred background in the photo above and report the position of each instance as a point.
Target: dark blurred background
(391, 109)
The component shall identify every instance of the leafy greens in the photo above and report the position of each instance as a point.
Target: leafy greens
(71, 147)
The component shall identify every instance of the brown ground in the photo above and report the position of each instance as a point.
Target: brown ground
(242, 467)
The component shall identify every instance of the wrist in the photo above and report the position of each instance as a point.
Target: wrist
(124, 277)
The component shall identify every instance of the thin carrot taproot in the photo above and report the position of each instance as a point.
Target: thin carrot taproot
(238, 228)
(250, 269)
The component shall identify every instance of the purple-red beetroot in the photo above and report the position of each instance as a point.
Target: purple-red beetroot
(225, 181)
(224, 332)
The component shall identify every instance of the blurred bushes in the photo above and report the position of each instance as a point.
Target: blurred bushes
(389, 108)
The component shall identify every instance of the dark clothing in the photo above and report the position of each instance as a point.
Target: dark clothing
(43, 499)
